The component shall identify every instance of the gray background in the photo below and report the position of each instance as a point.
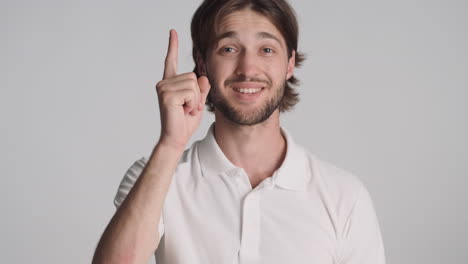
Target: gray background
(384, 95)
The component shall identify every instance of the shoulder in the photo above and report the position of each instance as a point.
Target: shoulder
(336, 176)
(340, 188)
(187, 157)
(326, 170)
(135, 170)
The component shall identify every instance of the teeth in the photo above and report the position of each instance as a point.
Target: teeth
(249, 90)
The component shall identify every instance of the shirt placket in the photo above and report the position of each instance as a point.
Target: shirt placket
(249, 251)
(250, 237)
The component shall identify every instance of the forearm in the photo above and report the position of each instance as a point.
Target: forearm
(132, 234)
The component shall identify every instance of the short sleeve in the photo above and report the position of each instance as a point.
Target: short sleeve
(129, 179)
(362, 241)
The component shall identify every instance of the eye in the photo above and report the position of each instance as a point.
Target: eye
(227, 50)
(268, 50)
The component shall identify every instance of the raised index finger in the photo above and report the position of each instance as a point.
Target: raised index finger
(170, 65)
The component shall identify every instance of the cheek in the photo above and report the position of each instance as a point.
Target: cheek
(277, 72)
(219, 72)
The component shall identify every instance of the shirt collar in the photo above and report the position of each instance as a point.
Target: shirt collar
(293, 174)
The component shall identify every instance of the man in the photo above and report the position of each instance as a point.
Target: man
(246, 193)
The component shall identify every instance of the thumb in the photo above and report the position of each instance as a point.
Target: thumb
(205, 86)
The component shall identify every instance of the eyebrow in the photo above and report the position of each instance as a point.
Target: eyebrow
(235, 35)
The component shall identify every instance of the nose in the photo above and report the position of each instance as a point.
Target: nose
(247, 64)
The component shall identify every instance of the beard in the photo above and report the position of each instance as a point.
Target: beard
(251, 118)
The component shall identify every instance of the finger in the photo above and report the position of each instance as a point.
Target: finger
(170, 64)
(189, 102)
(182, 77)
(205, 87)
(184, 98)
(186, 84)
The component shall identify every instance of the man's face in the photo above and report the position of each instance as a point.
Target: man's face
(248, 68)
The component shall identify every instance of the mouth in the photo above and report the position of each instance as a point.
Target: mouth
(248, 87)
(248, 90)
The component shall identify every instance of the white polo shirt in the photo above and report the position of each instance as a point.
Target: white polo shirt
(308, 211)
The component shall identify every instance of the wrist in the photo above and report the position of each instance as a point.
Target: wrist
(170, 146)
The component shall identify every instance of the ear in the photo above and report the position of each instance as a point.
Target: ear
(291, 65)
(201, 67)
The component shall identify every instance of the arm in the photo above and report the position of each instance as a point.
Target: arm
(132, 235)
(362, 242)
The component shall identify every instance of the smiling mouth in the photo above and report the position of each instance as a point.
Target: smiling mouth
(248, 87)
(247, 90)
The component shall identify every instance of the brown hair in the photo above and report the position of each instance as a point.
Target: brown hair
(279, 12)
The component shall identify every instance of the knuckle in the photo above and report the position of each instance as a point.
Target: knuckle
(194, 90)
(192, 75)
(193, 84)
(160, 85)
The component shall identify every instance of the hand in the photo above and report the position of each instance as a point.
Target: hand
(181, 99)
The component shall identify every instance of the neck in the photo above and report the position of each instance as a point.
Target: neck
(258, 149)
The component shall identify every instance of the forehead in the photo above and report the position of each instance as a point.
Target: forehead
(247, 21)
